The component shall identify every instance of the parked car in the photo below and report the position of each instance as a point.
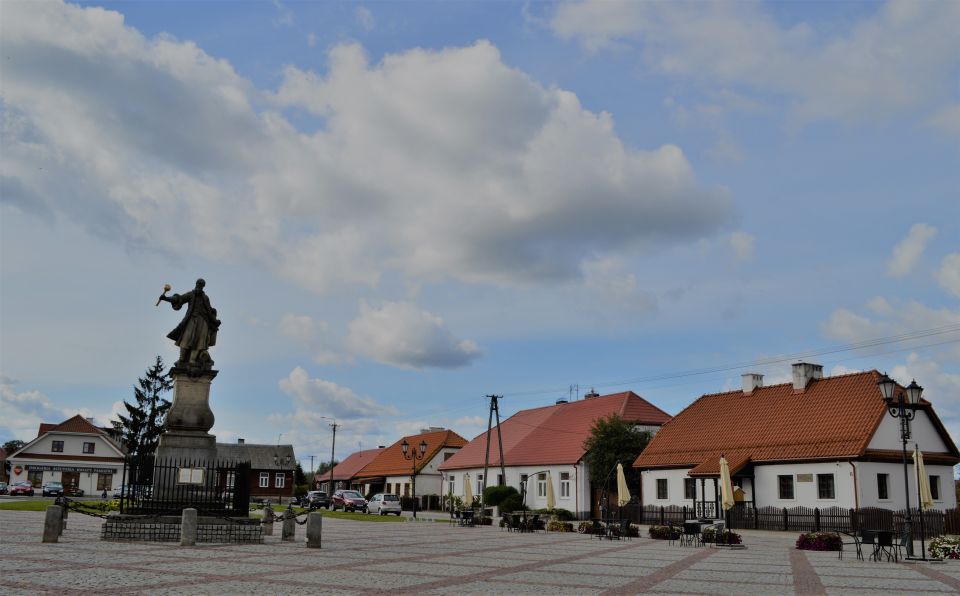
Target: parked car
(53, 489)
(22, 488)
(316, 499)
(4, 488)
(348, 500)
(383, 504)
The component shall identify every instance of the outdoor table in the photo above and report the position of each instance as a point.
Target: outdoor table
(884, 545)
(466, 517)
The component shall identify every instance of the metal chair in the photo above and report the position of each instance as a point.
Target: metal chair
(869, 538)
(598, 530)
(675, 534)
(852, 539)
(691, 534)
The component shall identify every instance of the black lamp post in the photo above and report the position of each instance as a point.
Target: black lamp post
(904, 407)
(413, 456)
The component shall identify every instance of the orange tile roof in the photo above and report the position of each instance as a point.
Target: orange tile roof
(45, 427)
(352, 465)
(553, 434)
(76, 424)
(390, 461)
(835, 417)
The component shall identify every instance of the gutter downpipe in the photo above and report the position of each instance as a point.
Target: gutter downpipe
(856, 488)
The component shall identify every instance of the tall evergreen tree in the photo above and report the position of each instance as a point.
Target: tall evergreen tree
(140, 429)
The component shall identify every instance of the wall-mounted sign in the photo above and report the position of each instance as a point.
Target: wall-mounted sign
(44, 468)
(17, 470)
(190, 475)
(804, 477)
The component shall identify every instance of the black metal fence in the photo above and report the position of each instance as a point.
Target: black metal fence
(154, 486)
(806, 519)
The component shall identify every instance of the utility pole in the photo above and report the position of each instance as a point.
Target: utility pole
(312, 470)
(333, 448)
(494, 408)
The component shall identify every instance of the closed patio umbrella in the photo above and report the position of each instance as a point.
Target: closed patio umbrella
(923, 481)
(551, 499)
(467, 491)
(726, 486)
(623, 493)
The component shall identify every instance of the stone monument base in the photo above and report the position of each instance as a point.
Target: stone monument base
(166, 528)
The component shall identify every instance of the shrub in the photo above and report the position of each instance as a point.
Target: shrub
(559, 526)
(560, 514)
(511, 503)
(585, 527)
(494, 495)
(943, 547)
(664, 533)
(820, 541)
(713, 536)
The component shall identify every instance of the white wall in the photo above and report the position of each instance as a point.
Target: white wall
(805, 493)
(578, 502)
(868, 486)
(922, 432)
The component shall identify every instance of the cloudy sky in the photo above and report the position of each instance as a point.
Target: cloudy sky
(400, 207)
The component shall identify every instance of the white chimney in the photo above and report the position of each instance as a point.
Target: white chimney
(803, 373)
(750, 382)
(240, 441)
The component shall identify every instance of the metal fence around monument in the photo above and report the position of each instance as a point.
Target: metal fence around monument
(154, 486)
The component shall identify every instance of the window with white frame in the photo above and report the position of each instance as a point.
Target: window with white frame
(662, 488)
(89, 447)
(450, 483)
(479, 490)
(935, 487)
(264, 479)
(690, 488)
(231, 479)
(278, 480)
(826, 489)
(541, 485)
(883, 486)
(564, 485)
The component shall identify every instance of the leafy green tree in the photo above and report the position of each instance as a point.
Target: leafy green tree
(139, 431)
(614, 440)
(11, 446)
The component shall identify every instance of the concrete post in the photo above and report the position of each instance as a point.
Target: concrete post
(66, 511)
(314, 529)
(268, 520)
(52, 524)
(289, 526)
(188, 528)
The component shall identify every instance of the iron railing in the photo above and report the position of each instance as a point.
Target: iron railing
(168, 486)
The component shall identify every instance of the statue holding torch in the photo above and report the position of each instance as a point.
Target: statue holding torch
(198, 329)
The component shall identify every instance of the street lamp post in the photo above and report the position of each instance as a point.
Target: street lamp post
(904, 407)
(413, 456)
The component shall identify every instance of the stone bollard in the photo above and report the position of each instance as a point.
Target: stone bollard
(268, 520)
(188, 528)
(52, 524)
(289, 526)
(66, 512)
(314, 527)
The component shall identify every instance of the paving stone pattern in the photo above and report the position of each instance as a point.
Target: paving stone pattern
(436, 558)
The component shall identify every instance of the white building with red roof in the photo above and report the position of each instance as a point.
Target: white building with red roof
(75, 452)
(345, 472)
(815, 442)
(547, 439)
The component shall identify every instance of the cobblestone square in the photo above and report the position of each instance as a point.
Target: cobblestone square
(436, 558)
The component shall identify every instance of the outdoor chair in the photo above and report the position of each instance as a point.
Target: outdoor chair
(849, 538)
(598, 529)
(624, 528)
(454, 516)
(901, 546)
(885, 546)
(691, 534)
(869, 538)
(514, 523)
(676, 533)
(534, 524)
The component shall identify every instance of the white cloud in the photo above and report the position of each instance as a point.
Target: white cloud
(908, 251)
(606, 279)
(301, 327)
(364, 18)
(403, 335)
(940, 387)
(891, 320)
(433, 164)
(901, 57)
(949, 274)
(315, 398)
(742, 244)
(21, 412)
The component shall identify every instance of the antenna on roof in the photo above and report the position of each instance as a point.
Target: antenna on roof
(574, 390)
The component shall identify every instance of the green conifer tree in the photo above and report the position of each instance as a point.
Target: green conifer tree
(140, 429)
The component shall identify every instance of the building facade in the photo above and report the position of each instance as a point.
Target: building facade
(815, 442)
(75, 452)
(272, 468)
(344, 474)
(390, 472)
(546, 444)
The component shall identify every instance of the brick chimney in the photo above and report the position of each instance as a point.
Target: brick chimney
(750, 382)
(803, 373)
(240, 441)
(593, 393)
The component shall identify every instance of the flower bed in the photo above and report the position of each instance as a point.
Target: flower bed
(820, 541)
(712, 536)
(559, 526)
(663, 533)
(944, 547)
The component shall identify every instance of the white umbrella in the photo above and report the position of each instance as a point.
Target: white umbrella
(623, 493)
(926, 497)
(551, 499)
(726, 486)
(467, 491)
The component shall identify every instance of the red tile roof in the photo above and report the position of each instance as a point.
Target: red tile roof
(352, 465)
(77, 424)
(390, 461)
(554, 434)
(45, 427)
(835, 417)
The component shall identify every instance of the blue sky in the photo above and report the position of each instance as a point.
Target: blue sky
(400, 207)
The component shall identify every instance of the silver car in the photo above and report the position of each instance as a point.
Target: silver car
(383, 504)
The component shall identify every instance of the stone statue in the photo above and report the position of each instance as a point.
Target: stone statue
(198, 329)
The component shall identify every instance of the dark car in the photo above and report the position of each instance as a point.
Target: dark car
(348, 500)
(73, 491)
(22, 488)
(4, 488)
(53, 489)
(316, 499)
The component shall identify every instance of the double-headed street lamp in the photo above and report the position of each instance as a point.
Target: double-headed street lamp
(413, 456)
(903, 406)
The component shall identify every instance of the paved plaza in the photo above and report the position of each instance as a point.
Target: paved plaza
(436, 558)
